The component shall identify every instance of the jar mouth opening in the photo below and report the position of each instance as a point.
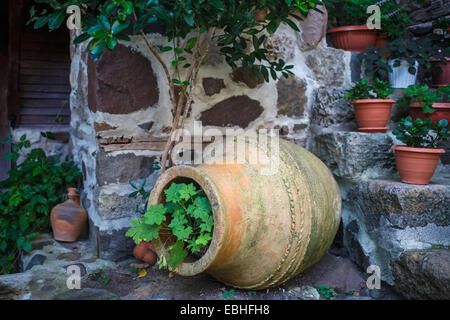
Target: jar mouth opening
(183, 174)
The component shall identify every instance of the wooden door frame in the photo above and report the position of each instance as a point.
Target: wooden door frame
(14, 32)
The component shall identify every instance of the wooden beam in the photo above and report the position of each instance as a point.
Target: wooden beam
(14, 34)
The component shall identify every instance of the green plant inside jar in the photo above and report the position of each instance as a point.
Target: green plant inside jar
(184, 222)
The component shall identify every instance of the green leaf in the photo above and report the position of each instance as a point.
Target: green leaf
(41, 21)
(142, 231)
(111, 43)
(189, 20)
(56, 19)
(172, 193)
(119, 26)
(190, 44)
(177, 254)
(187, 191)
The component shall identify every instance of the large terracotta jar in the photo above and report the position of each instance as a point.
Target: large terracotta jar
(442, 111)
(68, 218)
(353, 38)
(269, 225)
(416, 165)
(441, 79)
(373, 115)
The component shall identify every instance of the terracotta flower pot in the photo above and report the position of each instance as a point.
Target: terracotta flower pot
(442, 111)
(144, 251)
(416, 165)
(373, 115)
(353, 38)
(441, 79)
(68, 218)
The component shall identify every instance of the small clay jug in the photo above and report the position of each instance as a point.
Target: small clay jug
(68, 218)
(144, 251)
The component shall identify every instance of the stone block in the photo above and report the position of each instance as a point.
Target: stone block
(292, 99)
(354, 155)
(122, 82)
(331, 108)
(122, 168)
(328, 66)
(212, 86)
(384, 218)
(113, 203)
(235, 111)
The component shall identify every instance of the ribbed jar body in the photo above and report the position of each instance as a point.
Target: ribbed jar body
(267, 227)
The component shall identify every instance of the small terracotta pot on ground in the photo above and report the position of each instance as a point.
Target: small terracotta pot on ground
(442, 111)
(353, 38)
(416, 165)
(144, 251)
(68, 218)
(373, 115)
(441, 79)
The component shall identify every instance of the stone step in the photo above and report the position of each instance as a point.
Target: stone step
(355, 156)
(423, 274)
(382, 219)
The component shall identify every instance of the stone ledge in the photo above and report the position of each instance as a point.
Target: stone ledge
(423, 274)
(404, 205)
(382, 219)
(354, 155)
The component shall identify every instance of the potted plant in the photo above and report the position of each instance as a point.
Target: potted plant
(424, 102)
(372, 108)
(405, 56)
(417, 161)
(353, 33)
(441, 53)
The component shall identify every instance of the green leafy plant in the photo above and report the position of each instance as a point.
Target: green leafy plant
(441, 35)
(365, 90)
(191, 28)
(376, 64)
(185, 219)
(425, 96)
(394, 19)
(33, 187)
(326, 292)
(355, 11)
(421, 133)
(411, 51)
(229, 295)
(103, 279)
